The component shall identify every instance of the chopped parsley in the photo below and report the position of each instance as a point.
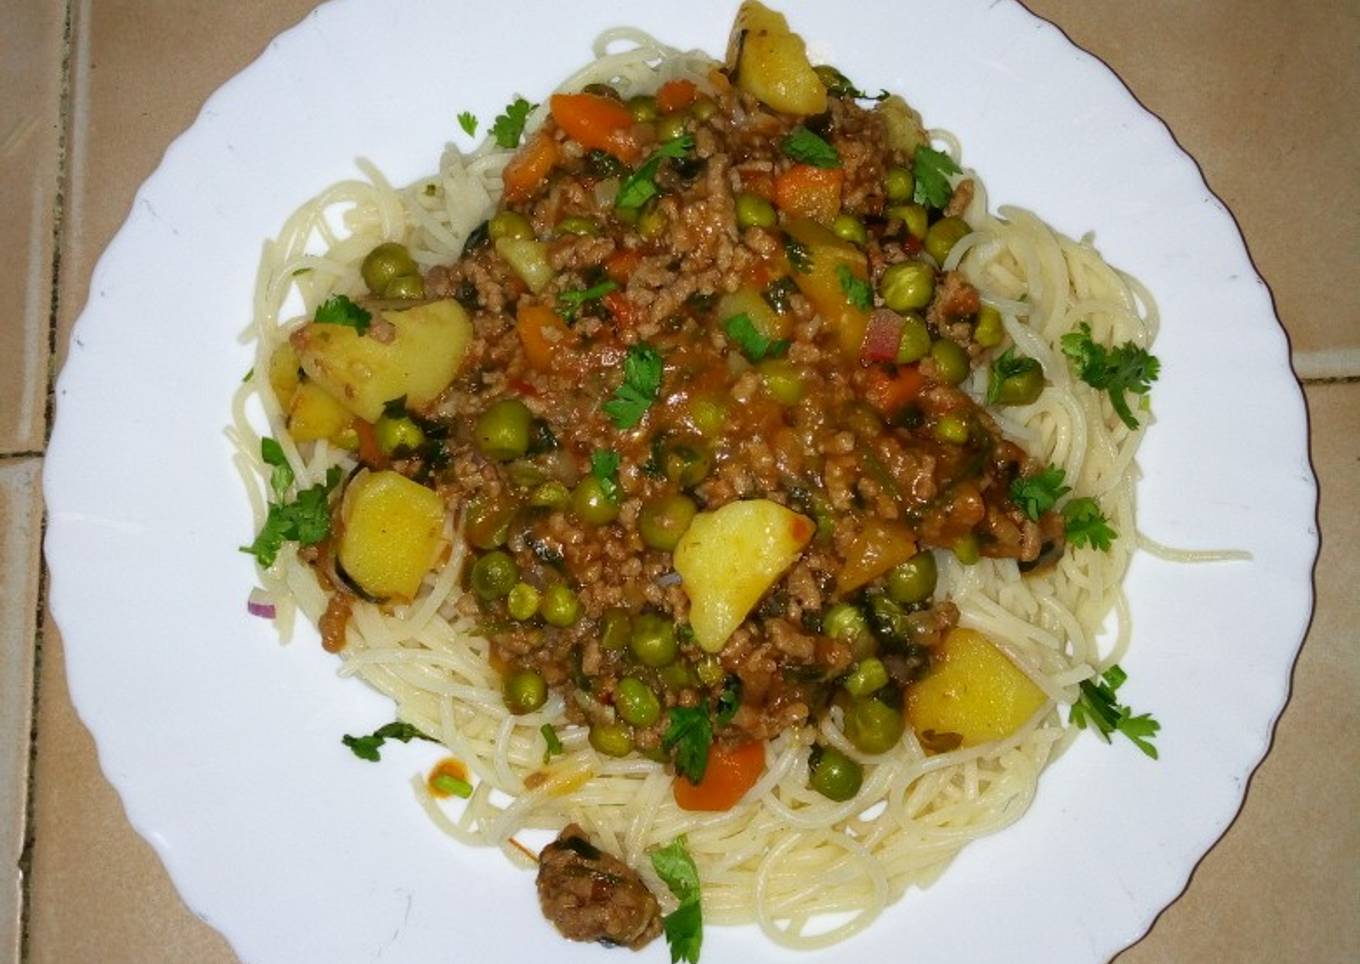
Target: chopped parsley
(552, 745)
(339, 310)
(857, 291)
(640, 187)
(366, 747)
(468, 122)
(507, 128)
(1036, 494)
(690, 733)
(1099, 706)
(247, 376)
(755, 346)
(807, 148)
(932, 168)
(1006, 366)
(799, 255)
(281, 478)
(641, 382)
(604, 465)
(839, 85)
(1086, 525)
(307, 519)
(684, 926)
(571, 302)
(729, 700)
(1126, 368)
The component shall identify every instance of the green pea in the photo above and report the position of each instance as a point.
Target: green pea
(615, 629)
(914, 580)
(914, 216)
(550, 495)
(850, 228)
(868, 676)
(907, 285)
(943, 235)
(653, 640)
(951, 361)
(685, 464)
(592, 503)
(494, 575)
(525, 691)
(782, 380)
(582, 227)
(652, 221)
(951, 430)
(502, 431)
(510, 224)
(703, 108)
(636, 703)
(385, 262)
(676, 676)
(967, 550)
(707, 415)
(753, 211)
(671, 126)
(915, 343)
(398, 435)
(710, 670)
(898, 184)
(844, 621)
(663, 521)
(1021, 389)
(488, 522)
(873, 726)
(560, 606)
(834, 775)
(405, 287)
(988, 331)
(522, 601)
(643, 108)
(612, 739)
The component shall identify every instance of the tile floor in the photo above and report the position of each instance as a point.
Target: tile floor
(85, 113)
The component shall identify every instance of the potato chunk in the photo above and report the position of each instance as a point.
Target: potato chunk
(972, 690)
(313, 413)
(393, 528)
(364, 372)
(903, 124)
(729, 558)
(772, 62)
(821, 285)
(283, 374)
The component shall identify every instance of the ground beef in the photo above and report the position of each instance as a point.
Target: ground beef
(590, 895)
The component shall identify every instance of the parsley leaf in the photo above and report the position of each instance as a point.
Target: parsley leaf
(752, 343)
(729, 700)
(508, 127)
(604, 465)
(858, 292)
(468, 122)
(1006, 366)
(1038, 493)
(641, 382)
(807, 148)
(932, 168)
(366, 747)
(552, 745)
(339, 310)
(307, 519)
(1099, 706)
(689, 733)
(281, 479)
(685, 925)
(570, 302)
(799, 255)
(1126, 368)
(640, 187)
(1087, 525)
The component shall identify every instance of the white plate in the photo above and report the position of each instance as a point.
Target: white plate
(225, 746)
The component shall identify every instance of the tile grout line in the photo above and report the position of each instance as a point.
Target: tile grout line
(58, 227)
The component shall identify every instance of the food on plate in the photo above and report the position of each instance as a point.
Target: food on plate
(713, 476)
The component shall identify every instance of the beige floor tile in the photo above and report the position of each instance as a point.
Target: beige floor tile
(31, 48)
(1262, 93)
(20, 538)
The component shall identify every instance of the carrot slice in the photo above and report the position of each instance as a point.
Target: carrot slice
(596, 122)
(732, 770)
(813, 192)
(530, 167)
(532, 323)
(675, 94)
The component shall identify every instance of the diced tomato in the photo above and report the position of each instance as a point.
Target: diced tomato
(532, 322)
(623, 310)
(731, 772)
(892, 393)
(675, 94)
(882, 336)
(370, 453)
(621, 264)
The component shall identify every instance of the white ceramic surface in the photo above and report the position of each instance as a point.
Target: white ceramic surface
(225, 746)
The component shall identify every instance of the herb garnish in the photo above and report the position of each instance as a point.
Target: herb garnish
(641, 382)
(685, 925)
(1099, 706)
(508, 127)
(1126, 368)
(755, 346)
(640, 187)
(339, 310)
(1087, 525)
(570, 302)
(932, 168)
(729, 700)
(307, 519)
(604, 465)
(857, 291)
(1038, 493)
(552, 745)
(807, 148)
(366, 747)
(281, 478)
(1006, 366)
(690, 733)
(468, 122)
(799, 255)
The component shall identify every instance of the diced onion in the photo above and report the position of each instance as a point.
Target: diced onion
(260, 603)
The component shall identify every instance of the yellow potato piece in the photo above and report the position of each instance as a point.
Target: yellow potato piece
(772, 62)
(283, 374)
(365, 373)
(822, 284)
(972, 690)
(313, 413)
(729, 558)
(748, 301)
(393, 528)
